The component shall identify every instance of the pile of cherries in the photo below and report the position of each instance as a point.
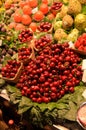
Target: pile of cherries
(54, 72)
(44, 26)
(24, 53)
(43, 41)
(10, 69)
(26, 35)
(56, 5)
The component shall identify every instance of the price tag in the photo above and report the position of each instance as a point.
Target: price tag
(84, 76)
(84, 64)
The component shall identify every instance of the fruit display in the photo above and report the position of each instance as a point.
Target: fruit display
(71, 16)
(45, 78)
(41, 72)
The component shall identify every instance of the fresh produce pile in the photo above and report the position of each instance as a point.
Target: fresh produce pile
(36, 34)
(49, 77)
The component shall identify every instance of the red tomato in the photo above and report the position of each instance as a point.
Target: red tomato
(17, 17)
(44, 8)
(22, 4)
(33, 26)
(27, 10)
(45, 1)
(33, 3)
(26, 19)
(19, 27)
(38, 16)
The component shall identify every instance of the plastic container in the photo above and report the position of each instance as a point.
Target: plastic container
(81, 115)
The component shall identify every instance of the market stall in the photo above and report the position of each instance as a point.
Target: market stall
(42, 64)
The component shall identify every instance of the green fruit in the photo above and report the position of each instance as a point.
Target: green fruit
(57, 25)
(80, 22)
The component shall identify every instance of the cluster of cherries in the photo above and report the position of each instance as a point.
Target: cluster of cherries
(42, 42)
(25, 35)
(44, 26)
(54, 72)
(56, 5)
(24, 53)
(10, 69)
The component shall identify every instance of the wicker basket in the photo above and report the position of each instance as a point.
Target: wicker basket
(79, 51)
(16, 77)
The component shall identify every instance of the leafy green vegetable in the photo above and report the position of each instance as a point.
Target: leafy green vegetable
(41, 114)
(24, 105)
(71, 114)
(14, 93)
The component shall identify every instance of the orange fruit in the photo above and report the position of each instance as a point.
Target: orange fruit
(19, 27)
(50, 16)
(17, 17)
(38, 16)
(33, 3)
(27, 9)
(26, 19)
(12, 25)
(33, 26)
(44, 8)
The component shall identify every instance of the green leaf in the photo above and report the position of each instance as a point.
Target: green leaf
(71, 114)
(42, 106)
(15, 56)
(62, 106)
(24, 105)
(13, 89)
(2, 82)
(77, 97)
(14, 93)
(35, 116)
(61, 113)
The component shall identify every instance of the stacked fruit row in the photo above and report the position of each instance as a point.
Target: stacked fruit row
(28, 13)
